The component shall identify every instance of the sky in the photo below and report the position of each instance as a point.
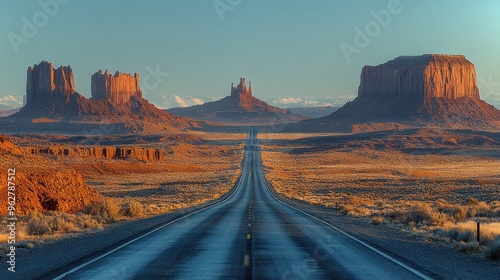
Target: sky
(287, 48)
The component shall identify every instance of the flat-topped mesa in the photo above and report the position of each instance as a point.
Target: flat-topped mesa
(116, 88)
(423, 77)
(241, 89)
(44, 82)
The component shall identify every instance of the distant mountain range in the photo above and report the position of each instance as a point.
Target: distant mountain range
(239, 107)
(307, 102)
(11, 102)
(176, 101)
(312, 107)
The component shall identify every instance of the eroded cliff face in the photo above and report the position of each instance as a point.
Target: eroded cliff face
(44, 82)
(421, 78)
(117, 88)
(440, 90)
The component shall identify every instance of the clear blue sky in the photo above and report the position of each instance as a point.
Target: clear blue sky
(288, 48)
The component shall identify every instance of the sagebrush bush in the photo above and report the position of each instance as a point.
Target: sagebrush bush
(468, 247)
(38, 225)
(424, 214)
(133, 209)
(493, 251)
(106, 208)
(60, 222)
(85, 221)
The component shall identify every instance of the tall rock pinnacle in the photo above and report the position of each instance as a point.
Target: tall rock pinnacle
(116, 88)
(44, 82)
(241, 89)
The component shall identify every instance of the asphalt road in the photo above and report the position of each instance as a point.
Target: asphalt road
(249, 235)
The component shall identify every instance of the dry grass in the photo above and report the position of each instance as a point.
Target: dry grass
(493, 252)
(192, 172)
(38, 228)
(435, 195)
(133, 209)
(107, 208)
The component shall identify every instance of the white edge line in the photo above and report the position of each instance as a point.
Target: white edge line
(148, 233)
(414, 271)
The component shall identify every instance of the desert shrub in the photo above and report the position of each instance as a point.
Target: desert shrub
(60, 222)
(482, 209)
(457, 233)
(106, 208)
(468, 247)
(133, 209)
(85, 221)
(471, 201)
(424, 214)
(395, 216)
(347, 209)
(493, 251)
(37, 224)
(459, 213)
(377, 220)
(465, 235)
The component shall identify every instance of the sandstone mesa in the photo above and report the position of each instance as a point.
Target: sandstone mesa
(118, 88)
(423, 77)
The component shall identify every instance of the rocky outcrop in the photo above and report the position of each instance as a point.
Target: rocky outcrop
(240, 107)
(241, 89)
(116, 106)
(429, 87)
(420, 77)
(117, 88)
(434, 90)
(145, 154)
(44, 82)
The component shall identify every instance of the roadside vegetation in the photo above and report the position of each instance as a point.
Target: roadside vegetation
(63, 196)
(436, 197)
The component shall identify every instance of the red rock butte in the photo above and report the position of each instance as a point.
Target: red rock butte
(44, 82)
(116, 88)
(116, 99)
(431, 89)
(240, 107)
(425, 77)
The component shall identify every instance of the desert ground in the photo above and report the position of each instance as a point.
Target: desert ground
(70, 185)
(433, 184)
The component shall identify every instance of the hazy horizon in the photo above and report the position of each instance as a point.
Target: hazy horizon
(286, 48)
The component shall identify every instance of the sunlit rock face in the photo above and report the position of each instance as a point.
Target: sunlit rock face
(421, 77)
(239, 107)
(117, 88)
(241, 90)
(429, 87)
(44, 82)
